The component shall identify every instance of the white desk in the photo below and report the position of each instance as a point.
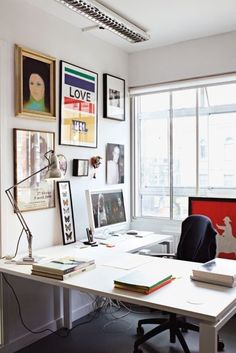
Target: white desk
(211, 305)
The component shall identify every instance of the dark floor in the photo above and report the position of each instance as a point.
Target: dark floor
(109, 332)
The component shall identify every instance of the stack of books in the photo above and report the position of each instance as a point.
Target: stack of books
(143, 282)
(62, 268)
(218, 271)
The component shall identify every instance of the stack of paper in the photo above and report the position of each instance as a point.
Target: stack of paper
(63, 267)
(143, 282)
(218, 271)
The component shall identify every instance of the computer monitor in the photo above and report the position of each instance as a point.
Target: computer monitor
(106, 210)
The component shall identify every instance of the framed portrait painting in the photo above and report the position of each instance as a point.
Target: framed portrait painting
(30, 147)
(34, 84)
(78, 106)
(115, 163)
(113, 97)
(222, 212)
(66, 211)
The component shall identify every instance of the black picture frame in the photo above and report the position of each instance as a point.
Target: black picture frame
(80, 167)
(66, 212)
(113, 97)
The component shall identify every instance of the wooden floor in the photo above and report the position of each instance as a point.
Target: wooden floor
(114, 331)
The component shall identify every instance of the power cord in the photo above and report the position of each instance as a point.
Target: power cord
(9, 257)
(64, 331)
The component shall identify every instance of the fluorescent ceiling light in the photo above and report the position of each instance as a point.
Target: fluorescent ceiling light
(107, 19)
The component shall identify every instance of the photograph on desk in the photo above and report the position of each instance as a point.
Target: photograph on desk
(63, 267)
(142, 281)
(222, 212)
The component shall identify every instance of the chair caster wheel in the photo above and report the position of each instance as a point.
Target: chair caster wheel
(138, 350)
(220, 346)
(140, 332)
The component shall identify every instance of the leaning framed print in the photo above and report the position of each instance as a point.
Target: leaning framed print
(113, 97)
(30, 147)
(78, 106)
(66, 212)
(34, 84)
(222, 212)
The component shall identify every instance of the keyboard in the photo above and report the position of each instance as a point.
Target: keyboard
(113, 240)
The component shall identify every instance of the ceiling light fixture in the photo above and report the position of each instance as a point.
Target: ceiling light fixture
(107, 19)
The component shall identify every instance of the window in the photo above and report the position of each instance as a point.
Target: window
(184, 145)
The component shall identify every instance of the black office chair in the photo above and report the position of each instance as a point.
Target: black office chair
(197, 243)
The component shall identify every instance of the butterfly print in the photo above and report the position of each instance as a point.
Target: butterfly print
(66, 202)
(64, 186)
(68, 227)
(66, 210)
(67, 219)
(69, 236)
(64, 194)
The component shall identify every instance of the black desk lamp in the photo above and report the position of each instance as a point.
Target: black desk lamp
(53, 173)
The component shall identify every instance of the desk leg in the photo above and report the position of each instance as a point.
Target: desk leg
(207, 338)
(67, 308)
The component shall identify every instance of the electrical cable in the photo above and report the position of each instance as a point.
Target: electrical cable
(17, 247)
(67, 331)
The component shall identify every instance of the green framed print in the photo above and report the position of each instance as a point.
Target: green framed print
(78, 106)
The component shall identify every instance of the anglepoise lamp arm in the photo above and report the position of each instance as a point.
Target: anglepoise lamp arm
(15, 206)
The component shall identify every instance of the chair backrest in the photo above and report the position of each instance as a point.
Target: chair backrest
(198, 239)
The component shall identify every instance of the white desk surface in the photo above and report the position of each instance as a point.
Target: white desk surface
(193, 299)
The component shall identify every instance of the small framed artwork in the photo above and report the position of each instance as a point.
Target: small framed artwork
(222, 212)
(80, 167)
(113, 97)
(62, 163)
(66, 211)
(78, 106)
(35, 84)
(115, 163)
(29, 148)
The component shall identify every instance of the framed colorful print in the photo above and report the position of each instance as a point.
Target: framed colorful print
(222, 212)
(66, 211)
(113, 97)
(29, 149)
(78, 106)
(35, 84)
(115, 163)
(80, 167)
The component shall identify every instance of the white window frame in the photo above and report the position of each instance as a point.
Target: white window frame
(135, 149)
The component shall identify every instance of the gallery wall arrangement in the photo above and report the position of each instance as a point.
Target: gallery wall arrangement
(35, 98)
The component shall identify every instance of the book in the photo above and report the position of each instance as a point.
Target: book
(142, 281)
(62, 265)
(140, 289)
(63, 277)
(218, 271)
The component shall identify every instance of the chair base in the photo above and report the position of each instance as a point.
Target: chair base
(174, 324)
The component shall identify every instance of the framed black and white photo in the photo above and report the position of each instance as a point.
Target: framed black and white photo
(115, 163)
(66, 211)
(80, 167)
(113, 97)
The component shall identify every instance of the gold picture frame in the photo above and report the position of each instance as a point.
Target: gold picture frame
(35, 95)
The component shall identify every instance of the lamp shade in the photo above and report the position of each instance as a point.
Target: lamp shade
(54, 171)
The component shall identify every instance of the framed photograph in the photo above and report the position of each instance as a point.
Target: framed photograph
(222, 212)
(115, 163)
(113, 97)
(62, 163)
(66, 211)
(80, 167)
(34, 84)
(29, 149)
(78, 106)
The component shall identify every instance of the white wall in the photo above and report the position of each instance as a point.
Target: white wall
(26, 25)
(200, 57)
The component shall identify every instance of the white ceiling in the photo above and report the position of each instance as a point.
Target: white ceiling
(167, 21)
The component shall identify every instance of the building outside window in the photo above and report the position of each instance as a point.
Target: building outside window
(184, 145)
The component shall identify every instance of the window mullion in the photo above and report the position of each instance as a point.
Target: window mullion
(171, 155)
(197, 141)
